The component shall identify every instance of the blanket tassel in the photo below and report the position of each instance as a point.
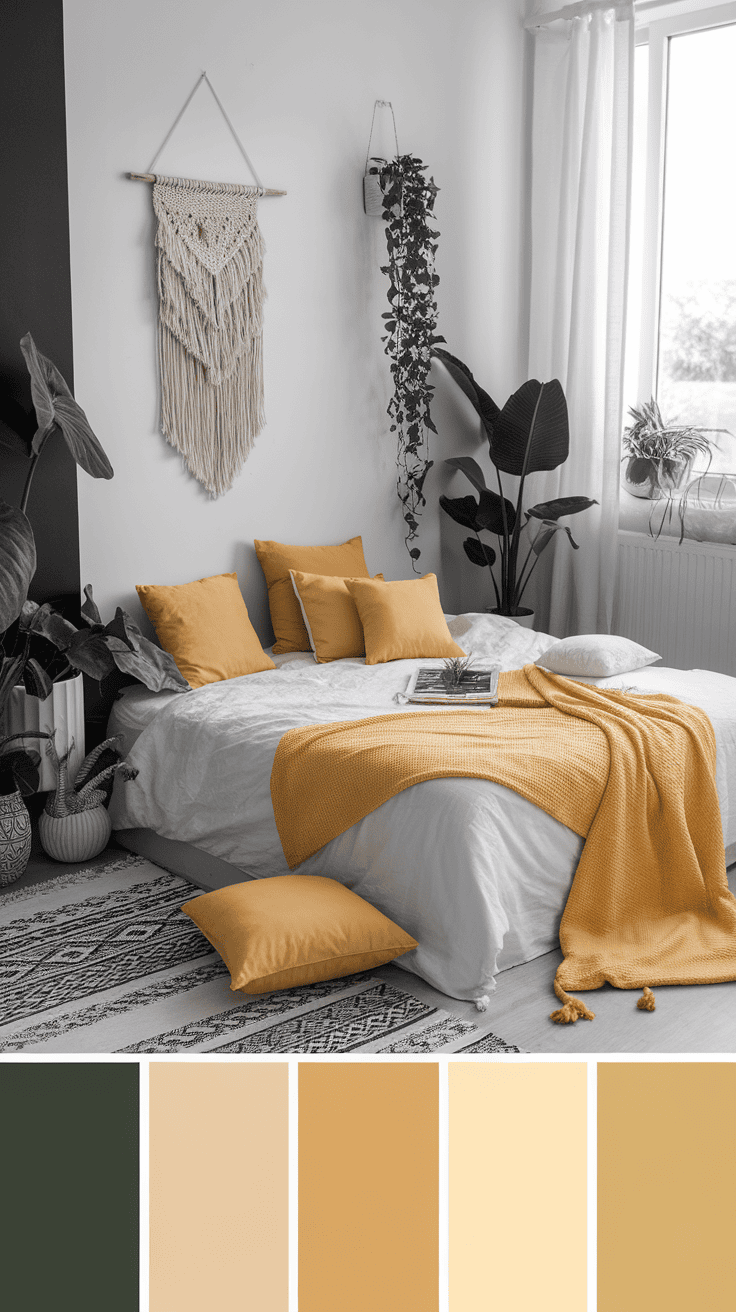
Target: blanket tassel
(571, 1010)
(481, 1004)
(646, 1002)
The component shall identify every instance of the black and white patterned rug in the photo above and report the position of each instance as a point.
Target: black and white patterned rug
(105, 961)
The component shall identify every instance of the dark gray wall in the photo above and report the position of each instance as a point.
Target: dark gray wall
(35, 281)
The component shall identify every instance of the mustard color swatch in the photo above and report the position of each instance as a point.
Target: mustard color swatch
(368, 1187)
(517, 1187)
(218, 1186)
(666, 1186)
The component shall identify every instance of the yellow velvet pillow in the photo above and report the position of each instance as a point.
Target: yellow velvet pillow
(402, 620)
(345, 560)
(294, 929)
(205, 627)
(330, 616)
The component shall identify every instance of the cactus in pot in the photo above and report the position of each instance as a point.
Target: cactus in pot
(75, 824)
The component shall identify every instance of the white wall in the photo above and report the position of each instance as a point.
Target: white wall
(299, 80)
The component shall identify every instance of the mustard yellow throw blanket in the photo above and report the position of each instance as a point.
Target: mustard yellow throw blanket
(632, 774)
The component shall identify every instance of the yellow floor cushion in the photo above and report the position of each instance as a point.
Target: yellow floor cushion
(294, 929)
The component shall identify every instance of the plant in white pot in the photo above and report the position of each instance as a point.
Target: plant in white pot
(47, 694)
(75, 823)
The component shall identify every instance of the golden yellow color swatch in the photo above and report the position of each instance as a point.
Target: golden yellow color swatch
(368, 1187)
(666, 1186)
(218, 1186)
(518, 1189)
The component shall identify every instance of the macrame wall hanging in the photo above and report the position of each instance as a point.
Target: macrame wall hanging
(211, 293)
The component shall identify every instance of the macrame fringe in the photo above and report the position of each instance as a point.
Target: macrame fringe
(211, 294)
(647, 1001)
(571, 1010)
(213, 428)
(207, 289)
(217, 344)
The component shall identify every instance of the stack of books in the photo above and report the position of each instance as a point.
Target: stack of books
(475, 688)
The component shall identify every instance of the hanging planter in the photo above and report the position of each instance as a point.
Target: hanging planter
(407, 202)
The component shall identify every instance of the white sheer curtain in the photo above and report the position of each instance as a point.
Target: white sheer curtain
(581, 168)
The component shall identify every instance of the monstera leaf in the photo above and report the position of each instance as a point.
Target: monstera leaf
(17, 562)
(55, 407)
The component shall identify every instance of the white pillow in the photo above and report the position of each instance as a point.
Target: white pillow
(596, 654)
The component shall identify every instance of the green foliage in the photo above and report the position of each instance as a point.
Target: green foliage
(530, 433)
(699, 332)
(411, 241)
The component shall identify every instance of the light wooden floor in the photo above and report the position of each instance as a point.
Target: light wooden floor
(687, 1019)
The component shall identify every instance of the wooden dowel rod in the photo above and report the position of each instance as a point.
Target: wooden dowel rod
(151, 177)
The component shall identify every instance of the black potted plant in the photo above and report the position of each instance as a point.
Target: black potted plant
(32, 637)
(530, 434)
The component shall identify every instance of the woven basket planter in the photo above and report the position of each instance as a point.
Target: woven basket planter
(75, 837)
(15, 837)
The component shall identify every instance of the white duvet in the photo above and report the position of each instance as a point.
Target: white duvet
(477, 874)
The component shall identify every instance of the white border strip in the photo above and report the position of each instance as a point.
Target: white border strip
(293, 1184)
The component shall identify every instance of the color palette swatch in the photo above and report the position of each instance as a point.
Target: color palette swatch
(218, 1192)
(517, 1185)
(666, 1186)
(422, 1185)
(368, 1186)
(70, 1179)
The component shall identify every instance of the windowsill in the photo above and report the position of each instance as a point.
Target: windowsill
(702, 524)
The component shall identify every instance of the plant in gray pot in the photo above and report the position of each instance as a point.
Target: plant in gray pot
(530, 434)
(659, 456)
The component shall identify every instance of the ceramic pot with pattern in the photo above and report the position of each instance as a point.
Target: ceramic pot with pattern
(15, 837)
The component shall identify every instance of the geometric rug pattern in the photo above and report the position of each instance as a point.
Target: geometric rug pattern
(105, 961)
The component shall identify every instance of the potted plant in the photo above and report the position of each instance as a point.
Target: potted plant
(658, 456)
(100, 649)
(411, 240)
(75, 824)
(530, 434)
(56, 700)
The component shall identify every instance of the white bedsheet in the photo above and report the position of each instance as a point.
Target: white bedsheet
(477, 874)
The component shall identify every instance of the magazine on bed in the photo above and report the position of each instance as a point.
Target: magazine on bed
(476, 687)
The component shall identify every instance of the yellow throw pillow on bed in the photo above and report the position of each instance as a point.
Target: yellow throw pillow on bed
(294, 929)
(205, 627)
(345, 560)
(330, 616)
(402, 620)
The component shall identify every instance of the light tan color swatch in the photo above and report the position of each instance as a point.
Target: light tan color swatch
(368, 1187)
(218, 1186)
(518, 1187)
(666, 1186)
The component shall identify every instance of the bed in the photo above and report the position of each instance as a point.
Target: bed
(476, 873)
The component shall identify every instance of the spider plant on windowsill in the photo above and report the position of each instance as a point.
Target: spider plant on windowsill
(660, 456)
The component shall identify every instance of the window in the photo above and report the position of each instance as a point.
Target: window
(681, 326)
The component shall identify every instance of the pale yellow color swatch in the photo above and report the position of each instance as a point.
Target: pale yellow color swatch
(218, 1186)
(666, 1186)
(518, 1189)
(368, 1187)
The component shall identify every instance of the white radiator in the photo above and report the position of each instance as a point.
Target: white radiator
(678, 600)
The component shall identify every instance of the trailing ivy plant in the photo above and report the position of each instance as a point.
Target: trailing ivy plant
(411, 240)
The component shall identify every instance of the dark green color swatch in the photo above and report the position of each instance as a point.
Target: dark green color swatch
(69, 1195)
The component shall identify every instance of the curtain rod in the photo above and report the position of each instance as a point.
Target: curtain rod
(576, 11)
